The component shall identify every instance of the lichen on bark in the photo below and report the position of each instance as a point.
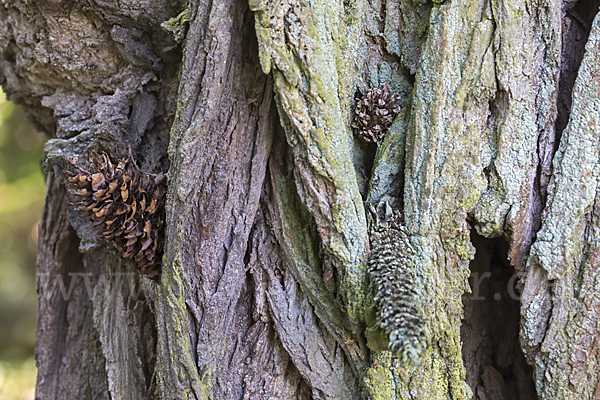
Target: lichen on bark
(560, 300)
(444, 148)
(312, 50)
(264, 292)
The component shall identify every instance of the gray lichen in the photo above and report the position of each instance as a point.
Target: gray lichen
(561, 301)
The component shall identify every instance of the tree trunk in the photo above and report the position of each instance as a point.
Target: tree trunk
(297, 254)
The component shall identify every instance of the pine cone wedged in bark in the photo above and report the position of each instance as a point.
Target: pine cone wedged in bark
(374, 114)
(127, 206)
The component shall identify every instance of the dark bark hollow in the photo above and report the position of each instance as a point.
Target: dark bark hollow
(265, 289)
(493, 358)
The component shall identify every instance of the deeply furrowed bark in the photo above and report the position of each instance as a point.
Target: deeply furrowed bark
(264, 291)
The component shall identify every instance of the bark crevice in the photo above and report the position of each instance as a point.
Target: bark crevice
(495, 364)
(577, 24)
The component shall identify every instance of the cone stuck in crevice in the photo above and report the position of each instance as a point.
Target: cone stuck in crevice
(127, 207)
(374, 113)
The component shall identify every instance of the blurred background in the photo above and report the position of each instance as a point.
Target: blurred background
(21, 200)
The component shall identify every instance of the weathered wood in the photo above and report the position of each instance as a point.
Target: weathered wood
(264, 289)
(210, 335)
(561, 303)
(88, 78)
(68, 350)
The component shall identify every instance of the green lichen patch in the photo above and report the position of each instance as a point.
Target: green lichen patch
(314, 67)
(177, 26)
(175, 358)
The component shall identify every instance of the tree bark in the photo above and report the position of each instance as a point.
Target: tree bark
(273, 206)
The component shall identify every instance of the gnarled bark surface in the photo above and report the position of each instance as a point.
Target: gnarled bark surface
(265, 291)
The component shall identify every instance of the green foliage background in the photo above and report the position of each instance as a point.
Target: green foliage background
(21, 199)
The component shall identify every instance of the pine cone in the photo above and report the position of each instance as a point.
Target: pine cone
(399, 286)
(127, 206)
(374, 114)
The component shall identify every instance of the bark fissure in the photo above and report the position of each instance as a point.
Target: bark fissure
(577, 24)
